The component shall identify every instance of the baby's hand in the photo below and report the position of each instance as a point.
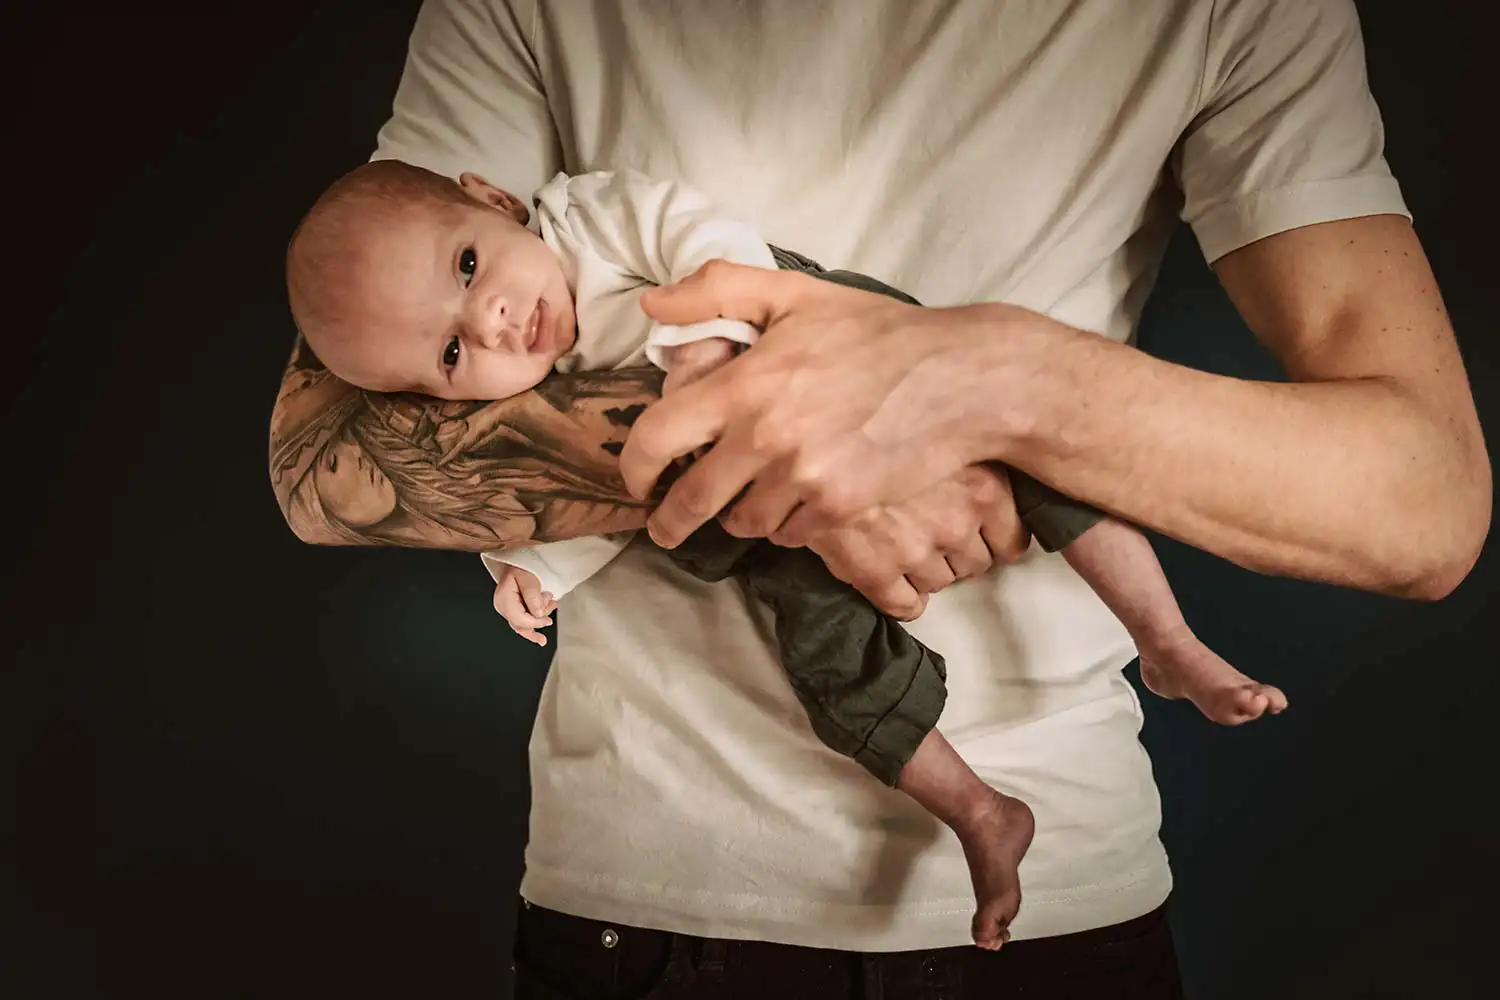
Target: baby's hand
(687, 363)
(520, 601)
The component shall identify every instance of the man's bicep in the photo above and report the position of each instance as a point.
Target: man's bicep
(1354, 299)
(1286, 133)
(471, 97)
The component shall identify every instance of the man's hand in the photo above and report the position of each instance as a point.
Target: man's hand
(849, 399)
(898, 555)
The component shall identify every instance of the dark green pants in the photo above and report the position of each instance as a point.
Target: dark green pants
(872, 691)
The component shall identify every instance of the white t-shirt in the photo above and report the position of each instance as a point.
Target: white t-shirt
(615, 233)
(1028, 151)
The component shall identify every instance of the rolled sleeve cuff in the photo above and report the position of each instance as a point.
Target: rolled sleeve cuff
(1230, 225)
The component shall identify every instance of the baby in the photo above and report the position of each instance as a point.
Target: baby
(403, 280)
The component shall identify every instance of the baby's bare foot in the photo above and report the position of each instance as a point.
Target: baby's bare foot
(1180, 666)
(995, 836)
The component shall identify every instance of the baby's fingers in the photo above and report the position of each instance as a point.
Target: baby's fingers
(531, 635)
(512, 607)
(533, 598)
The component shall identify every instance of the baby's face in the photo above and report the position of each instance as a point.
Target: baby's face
(458, 302)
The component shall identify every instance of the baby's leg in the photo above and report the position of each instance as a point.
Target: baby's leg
(1119, 563)
(995, 830)
(874, 693)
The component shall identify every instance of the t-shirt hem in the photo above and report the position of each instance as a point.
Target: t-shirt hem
(930, 924)
(1237, 223)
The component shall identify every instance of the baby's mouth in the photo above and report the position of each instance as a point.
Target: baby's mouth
(536, 326)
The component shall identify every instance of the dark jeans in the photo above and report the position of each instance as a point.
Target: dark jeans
(559, 957)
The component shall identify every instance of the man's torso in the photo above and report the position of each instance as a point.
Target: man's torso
(960, 151)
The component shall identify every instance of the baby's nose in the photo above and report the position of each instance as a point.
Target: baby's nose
(494, 322)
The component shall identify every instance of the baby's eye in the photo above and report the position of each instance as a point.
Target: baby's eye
(468, 261)
(450, 353)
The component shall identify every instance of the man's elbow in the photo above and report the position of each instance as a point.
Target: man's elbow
(1451, 549)
(312, 534)
(306, 529)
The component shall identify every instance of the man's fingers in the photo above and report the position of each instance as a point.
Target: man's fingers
(931, 575)
(718, 288)
(1004, 534)
(764, 508)
(670, 429)
(900, 600)
(708, 486)
(971, 557)
(821, 511)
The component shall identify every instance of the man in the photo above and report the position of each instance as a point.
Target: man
(687, 828)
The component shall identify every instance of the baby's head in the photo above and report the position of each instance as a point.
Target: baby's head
(402, 280)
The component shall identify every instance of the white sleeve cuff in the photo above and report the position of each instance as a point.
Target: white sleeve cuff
(560, 567)
(664, 336)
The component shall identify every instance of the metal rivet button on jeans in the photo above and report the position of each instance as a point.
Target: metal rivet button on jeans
(609, 938)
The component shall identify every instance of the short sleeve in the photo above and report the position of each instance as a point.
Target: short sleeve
(471, 97)
(1287, 133)
(657, 230)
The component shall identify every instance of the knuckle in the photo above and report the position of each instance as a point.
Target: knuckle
(770, 437)
(963, 569)
(1014, 546)
(834, 500)
(808, 473)
(984, 487)
(643, 433)
(743, 524)
(691, 500)
(845, 572)
(908, 610)
(715, 269)
(868, 578)
(869, 522)
(950, 534)
(913, 551)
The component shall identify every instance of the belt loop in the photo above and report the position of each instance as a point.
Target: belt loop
(873, 981)
(710, 955)
(682, 962)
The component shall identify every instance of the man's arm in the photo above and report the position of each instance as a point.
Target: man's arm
(1368, 470)
(356, 468)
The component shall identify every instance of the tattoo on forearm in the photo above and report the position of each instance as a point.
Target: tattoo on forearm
(357, 468)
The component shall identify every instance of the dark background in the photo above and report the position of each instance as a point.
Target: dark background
(239, 766)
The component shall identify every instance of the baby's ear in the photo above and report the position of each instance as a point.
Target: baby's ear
(485, 193)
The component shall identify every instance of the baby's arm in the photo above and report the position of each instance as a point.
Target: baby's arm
(559, 567)
(663, 231)
(689, 361)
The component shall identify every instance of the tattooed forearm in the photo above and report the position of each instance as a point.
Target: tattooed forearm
(355, 468)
